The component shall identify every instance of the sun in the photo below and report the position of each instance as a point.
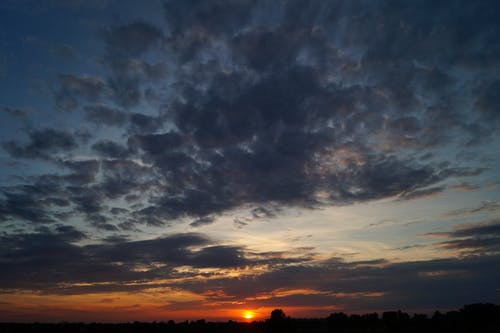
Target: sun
(248, 314)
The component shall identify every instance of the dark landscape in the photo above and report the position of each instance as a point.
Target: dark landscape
(480, 317)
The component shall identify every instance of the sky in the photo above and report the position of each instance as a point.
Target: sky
(219, 159)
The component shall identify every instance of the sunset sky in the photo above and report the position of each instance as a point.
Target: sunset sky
(219, 159)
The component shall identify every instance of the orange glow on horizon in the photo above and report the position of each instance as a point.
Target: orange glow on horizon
(25, 306)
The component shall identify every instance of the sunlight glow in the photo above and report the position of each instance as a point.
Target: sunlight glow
(248, 315)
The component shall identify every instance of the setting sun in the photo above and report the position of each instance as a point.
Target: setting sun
(248, 315)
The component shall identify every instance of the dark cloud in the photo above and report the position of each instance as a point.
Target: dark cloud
(137, 69)
(202, 221)
(23, 206)
(263, 120)
(86, 200)
(125, 92)
(263, 212)
(291, 103)
(100, 222)
(239, 223)
(49, 262)
(102, 114)
(144, 124)
(492, 229)
(116, 239)
(32, 202)
(220, 256)
(483, 207)
(131, 77)
(81, 173)
(15, 112)
(473, 239)
(108, 148)
(42, 143)
(117, 211)
(424, 193)
(366, 285)
(66, 233)
(84, 171)
(78, 192)
(471, 245)
(121, 177)
(45, 260)
(72, 88)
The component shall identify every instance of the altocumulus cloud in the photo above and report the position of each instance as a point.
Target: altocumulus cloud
(295, 103)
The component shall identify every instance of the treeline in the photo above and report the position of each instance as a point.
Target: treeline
(484, 318)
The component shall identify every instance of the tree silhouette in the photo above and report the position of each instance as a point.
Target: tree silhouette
(278, 321)
(277, 315)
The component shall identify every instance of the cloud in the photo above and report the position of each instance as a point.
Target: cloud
(42, 143)
(471, 245)
(74, 87)
(102, 114)
(490, 229)
(84, 171)
(270, 105)
(202, 221)
(83, 189)
(137, 69)
(33, 257)
(265, 105)
(381, 223)
(259, 105)
(129, 73)
(473, 238)
(424, 193)
(271, 119)
(121, 265)
(484, 207)
(264, 212)
(466, 187)
(144, 124)
(25, 206)
(121, 177)
(358, 285)
(108, 148)
(125, 92)
(15, 112)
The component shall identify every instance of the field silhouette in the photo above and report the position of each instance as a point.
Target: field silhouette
(481, 317)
